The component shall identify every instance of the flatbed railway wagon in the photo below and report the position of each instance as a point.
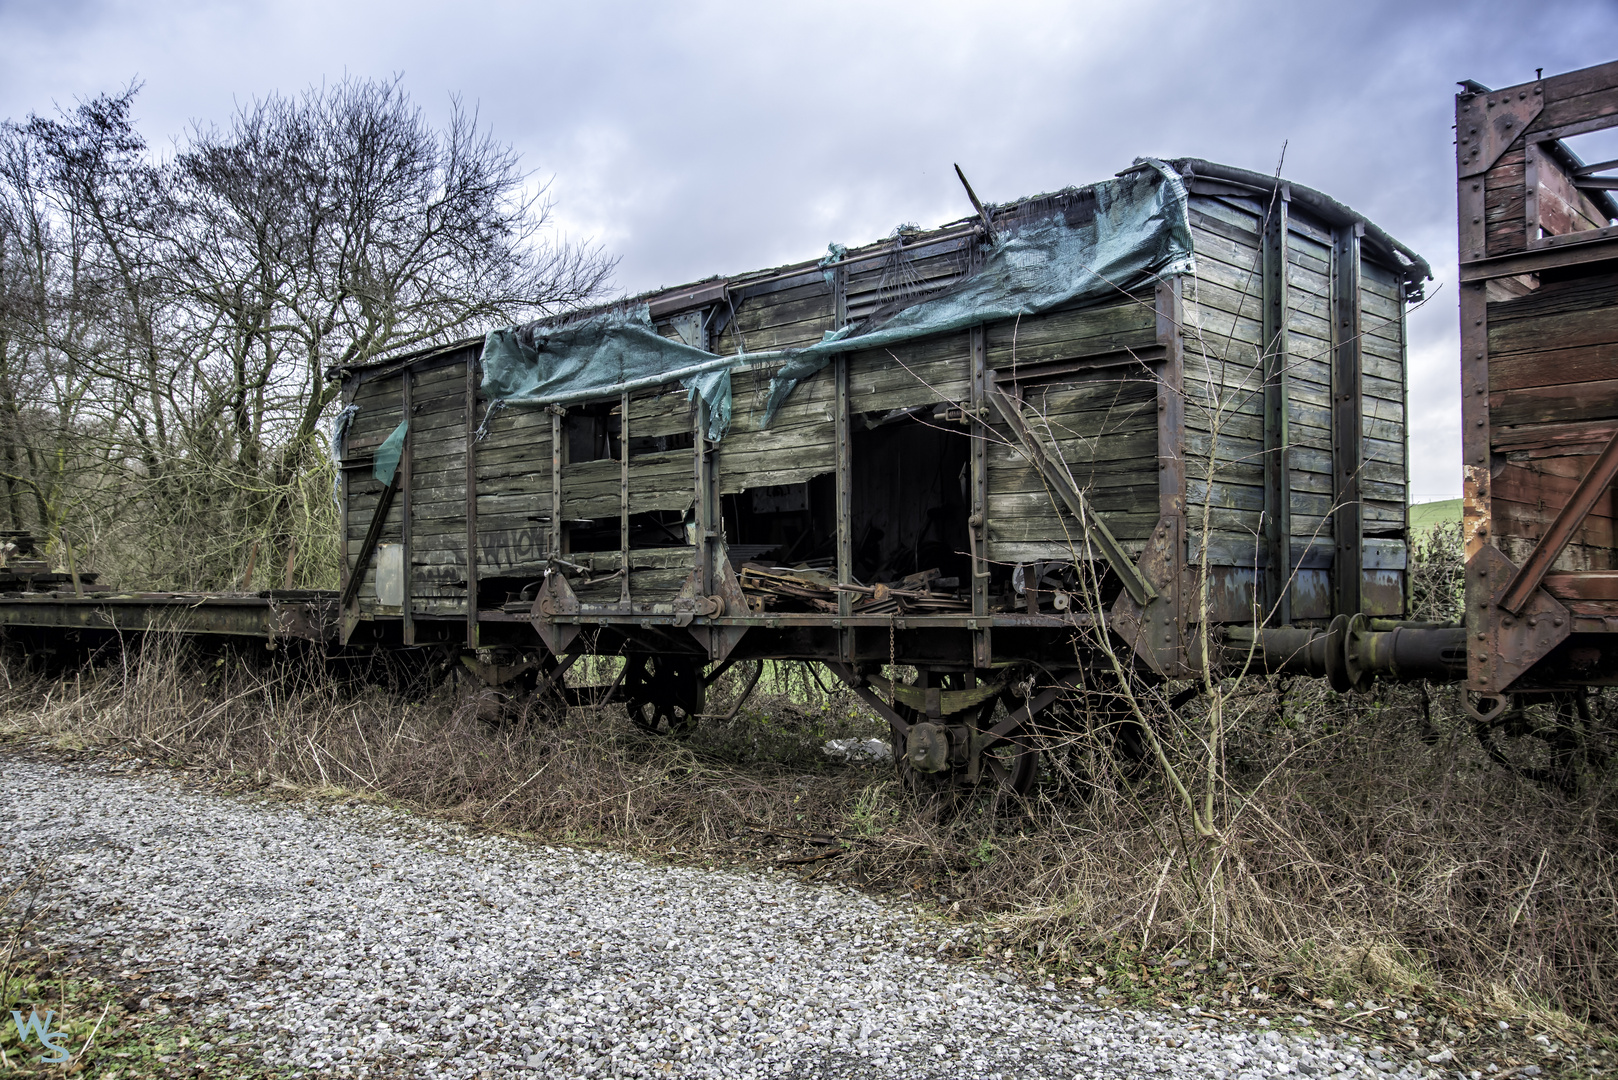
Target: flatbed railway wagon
(957, 450)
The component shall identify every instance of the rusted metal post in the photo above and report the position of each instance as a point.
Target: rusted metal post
(623, 501)
(978, 521)
(471, 503)
(845, 509)
(1348, 424)
(1171, 404)
(407, 620)
(247, 575)
(1276, 358)
(558, 431)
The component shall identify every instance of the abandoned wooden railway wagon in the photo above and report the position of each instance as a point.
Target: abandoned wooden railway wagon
(1538, 230)
(950, 448)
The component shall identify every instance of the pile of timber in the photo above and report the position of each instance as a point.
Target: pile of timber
(22, 570)
(774, 588)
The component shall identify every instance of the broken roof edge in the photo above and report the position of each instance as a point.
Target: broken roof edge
(668, 300)
(1330, 209)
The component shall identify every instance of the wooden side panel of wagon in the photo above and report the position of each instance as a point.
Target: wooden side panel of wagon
(1539, 363)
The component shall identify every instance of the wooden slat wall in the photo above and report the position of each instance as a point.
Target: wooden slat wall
(1223, 344)
(1103, 426)
(1224, 379)
(785, 314)
(514, 489)
(797, 445)
(654, 574)
(380, 411)
(1383, 486)
(1309, 386)
(658, 480)
(1553, 403)
(1505, 206)
(907, 274)
(438, 495)
(923, 372)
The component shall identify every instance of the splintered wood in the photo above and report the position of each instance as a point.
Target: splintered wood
(783, 588)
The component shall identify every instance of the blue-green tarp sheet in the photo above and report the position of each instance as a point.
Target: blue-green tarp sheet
(1139, 232)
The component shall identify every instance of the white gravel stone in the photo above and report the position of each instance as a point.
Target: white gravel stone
(359, 941)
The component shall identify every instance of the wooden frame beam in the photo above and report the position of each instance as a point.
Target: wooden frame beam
(1095, 529)
(845, 503)
(623, 498)
(977, 522)
(407, 617)
(1595, 483)
(471, 502)
(1348, 421)
(1277, 437)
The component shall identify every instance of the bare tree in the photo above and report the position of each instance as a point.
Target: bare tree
(219, 286)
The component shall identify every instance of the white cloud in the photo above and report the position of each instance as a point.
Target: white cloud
(712, 137)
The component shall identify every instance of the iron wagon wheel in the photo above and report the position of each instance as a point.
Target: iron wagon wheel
(663, 694)
(935, 757)
(1011, 758)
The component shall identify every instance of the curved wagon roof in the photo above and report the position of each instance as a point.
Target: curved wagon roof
(1199, 175)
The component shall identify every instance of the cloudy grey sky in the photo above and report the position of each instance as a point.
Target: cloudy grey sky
(703, 138)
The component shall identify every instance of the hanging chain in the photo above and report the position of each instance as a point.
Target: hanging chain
(893, 667)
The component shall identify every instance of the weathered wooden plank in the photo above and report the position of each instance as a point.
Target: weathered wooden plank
(1121, 446)
(1224, 494)
(1010, 552)
(1552, 404)
(1578, 95)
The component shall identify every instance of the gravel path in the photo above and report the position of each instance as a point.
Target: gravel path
(359, 941)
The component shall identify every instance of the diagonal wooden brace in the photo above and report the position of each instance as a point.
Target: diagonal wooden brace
(372, 536)
(1568, 519)
(1095, 530)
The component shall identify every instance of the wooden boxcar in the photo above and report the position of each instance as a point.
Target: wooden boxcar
(1539, 378)
(960, 501)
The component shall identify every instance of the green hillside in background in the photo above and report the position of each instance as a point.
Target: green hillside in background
(1426, 515)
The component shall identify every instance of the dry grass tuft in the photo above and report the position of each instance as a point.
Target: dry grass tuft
(1367, 845)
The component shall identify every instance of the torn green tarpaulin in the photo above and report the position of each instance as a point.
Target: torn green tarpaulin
(835, 253)
(598, 356)
(714, 389)
(1139, 231)
(387, 455)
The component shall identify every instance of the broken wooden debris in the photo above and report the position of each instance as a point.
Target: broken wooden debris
(768, 588)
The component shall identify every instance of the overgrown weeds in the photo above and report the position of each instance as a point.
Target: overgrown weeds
(1367, 846)
(60, 1016)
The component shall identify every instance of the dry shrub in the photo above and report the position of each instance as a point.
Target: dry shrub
(1362, 841)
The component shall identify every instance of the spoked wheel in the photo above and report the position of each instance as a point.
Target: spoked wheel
(983, 748)
(1008, 751)
(664, 694)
